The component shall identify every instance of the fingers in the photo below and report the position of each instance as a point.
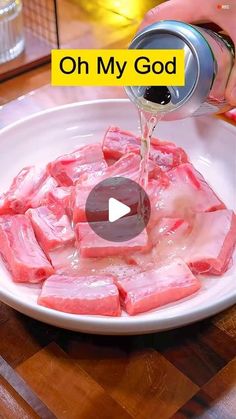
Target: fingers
(186, 11)
(177, 10)
(230, 92)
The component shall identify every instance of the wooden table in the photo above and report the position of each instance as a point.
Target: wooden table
(47, 372)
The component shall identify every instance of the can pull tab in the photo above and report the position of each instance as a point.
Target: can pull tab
(157, 94)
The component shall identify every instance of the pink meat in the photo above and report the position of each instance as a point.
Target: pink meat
(21, 251)
(127, 167)
(95, 294)
(169, 239)
(170, 229)
(29, 188)
(115, 266)
(4, 205)
(91, 245)
(40, 197)
(78, 202)
(61, 196)
(154, 288)
(68, 168)
(51, 226)
(99, 209)
(206, 243)
(212, 242)
(118, 142)
(66, 261)
(166, 154)
(187, 193)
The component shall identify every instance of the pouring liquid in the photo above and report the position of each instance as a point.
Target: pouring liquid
(160, 95)
(148, 122)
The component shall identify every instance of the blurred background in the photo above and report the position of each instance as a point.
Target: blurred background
(68, 23)
(110, 21)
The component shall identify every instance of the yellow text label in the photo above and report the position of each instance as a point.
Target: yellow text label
(118, 67)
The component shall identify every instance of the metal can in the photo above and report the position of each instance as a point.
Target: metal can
(209, 57)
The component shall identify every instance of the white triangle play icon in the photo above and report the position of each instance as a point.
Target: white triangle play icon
(117, 210)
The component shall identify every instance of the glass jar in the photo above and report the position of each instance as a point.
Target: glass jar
(11, 30)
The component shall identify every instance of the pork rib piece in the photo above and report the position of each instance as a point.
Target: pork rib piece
(68, 168)
(186, 194)
(118, 142)
(81, 295)
(51, 226)
(212, 242)
(127, 167)
(206, 244)
(91, 245)
(61, 196)
(169, 239)
(29, 189)
(21, 251)
(154, 288)
(66, 261)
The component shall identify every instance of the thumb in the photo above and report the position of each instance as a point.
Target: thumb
(230, 92)
(177, 10)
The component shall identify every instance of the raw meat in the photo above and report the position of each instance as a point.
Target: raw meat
(61, 196)
(21, 251)
(4, 207)
(65, 260)
(169, 238)
(206, 244)
(171, 229)
(78, 202)
(186, 194)
(91, 245)
(51, 226)
(212, 242)
(190, 231)
(40, 197)
(29, 189)
(81, 295)
(68, 168)
(154, 288)
(115, 266)
(118, 142)
(127, 167)
(166, 154)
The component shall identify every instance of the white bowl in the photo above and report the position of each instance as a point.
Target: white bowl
(211, 145)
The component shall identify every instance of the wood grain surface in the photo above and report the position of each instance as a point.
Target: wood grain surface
(46, 372)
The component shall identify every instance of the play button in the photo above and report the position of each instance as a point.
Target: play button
(118, 209)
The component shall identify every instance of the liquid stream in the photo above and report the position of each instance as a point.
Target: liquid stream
(158, 99)
(148, 122)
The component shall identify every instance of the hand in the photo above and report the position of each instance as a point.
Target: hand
(192, 11)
